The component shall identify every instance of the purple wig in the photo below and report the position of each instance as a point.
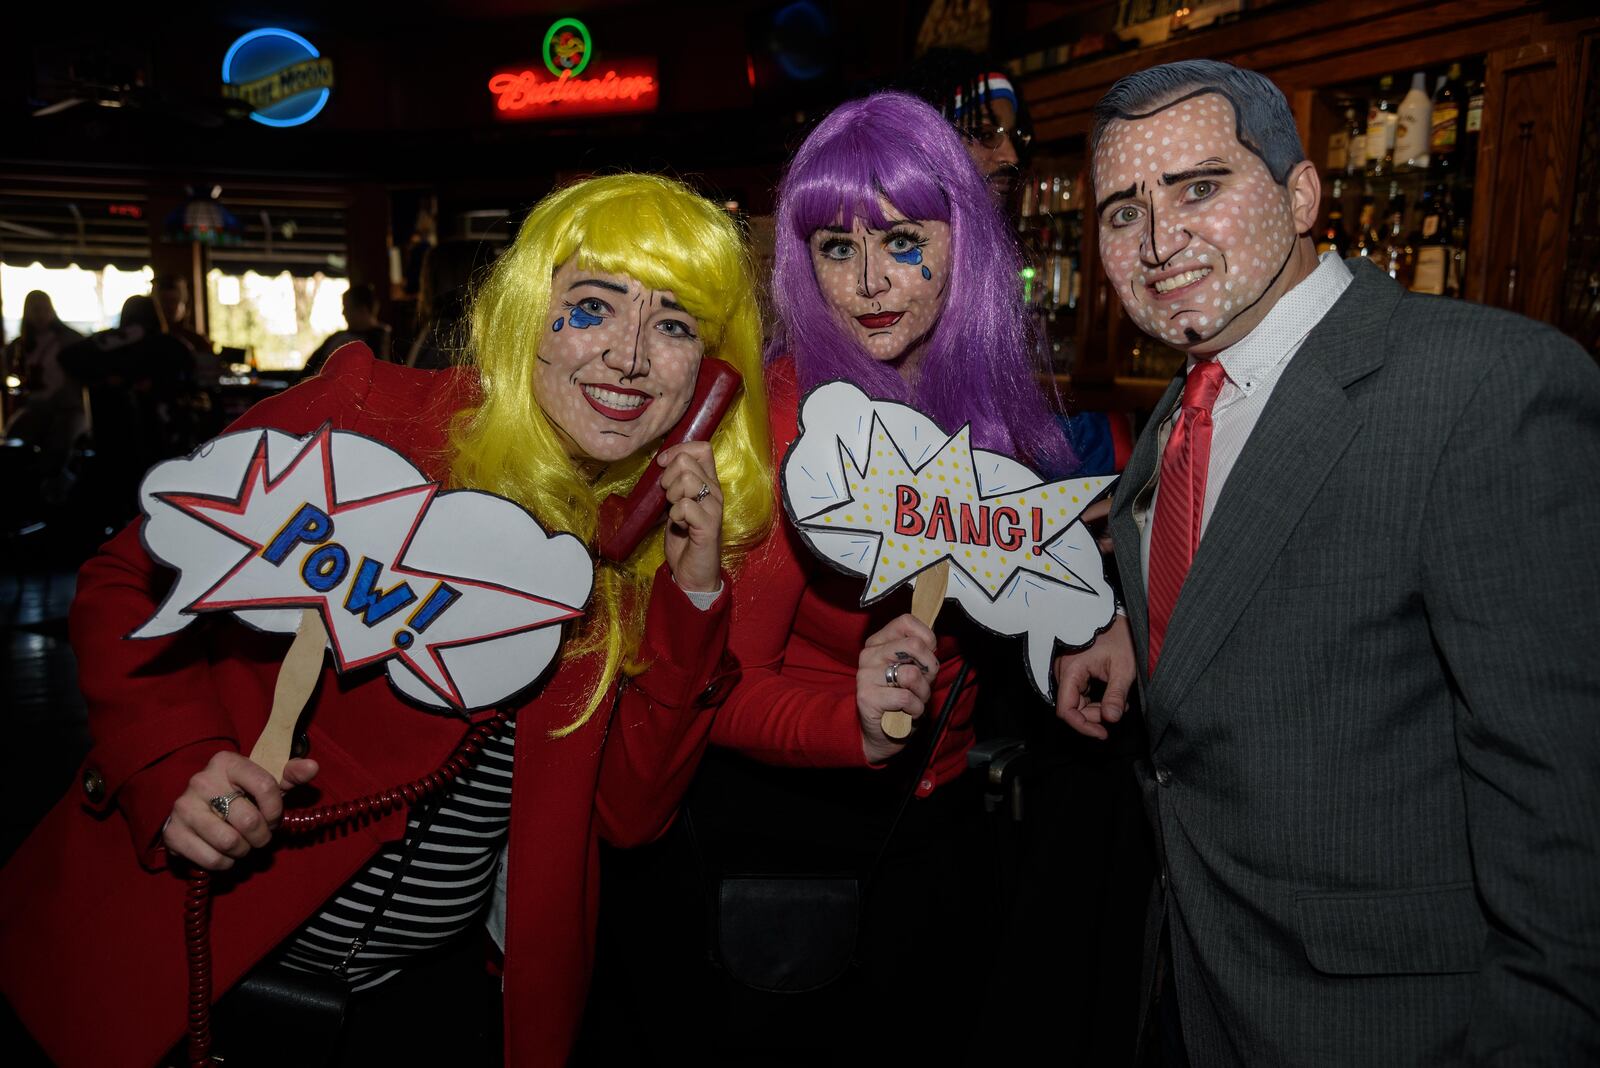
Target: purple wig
(978, 367)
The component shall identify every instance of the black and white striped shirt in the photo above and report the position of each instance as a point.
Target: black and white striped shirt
(451, 880)
(443, 892)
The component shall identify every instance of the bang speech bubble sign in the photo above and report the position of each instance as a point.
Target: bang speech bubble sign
(460, 592)
(878, 490)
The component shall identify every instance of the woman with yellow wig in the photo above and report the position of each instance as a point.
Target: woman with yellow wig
(586, 341)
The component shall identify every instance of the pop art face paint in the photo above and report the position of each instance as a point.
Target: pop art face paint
(1193, 229)
(886, 287)
(617, 362)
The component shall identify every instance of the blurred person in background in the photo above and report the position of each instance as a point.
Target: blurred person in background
(49, 415)
(972, 92)
(447, 271)
(137, 378)
(172, 297)
(361, 323)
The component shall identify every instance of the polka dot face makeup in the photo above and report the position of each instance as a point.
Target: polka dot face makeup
(886, 286)
(1193, 229)
(617, 362)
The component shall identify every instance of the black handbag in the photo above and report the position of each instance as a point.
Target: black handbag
(796, 933)
(277, 1015)
(787, 933)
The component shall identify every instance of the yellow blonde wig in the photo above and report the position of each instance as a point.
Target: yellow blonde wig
(665, 236)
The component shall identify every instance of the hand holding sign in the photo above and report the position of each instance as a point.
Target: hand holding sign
(878, 490)
(339, 539)
(926, 600)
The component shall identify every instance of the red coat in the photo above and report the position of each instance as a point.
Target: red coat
(91, 931)
(798, 632)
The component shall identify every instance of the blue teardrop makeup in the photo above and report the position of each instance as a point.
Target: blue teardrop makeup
(913, 256)
(580, 319)
(557, 325)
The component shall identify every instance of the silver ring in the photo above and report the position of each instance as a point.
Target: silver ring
(220, 805)
(891, 675)
(903, 657)
(705, 491)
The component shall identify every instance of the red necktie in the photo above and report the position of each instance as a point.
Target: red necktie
(1181, 497)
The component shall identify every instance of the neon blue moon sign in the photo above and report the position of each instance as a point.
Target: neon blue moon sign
(280, 74)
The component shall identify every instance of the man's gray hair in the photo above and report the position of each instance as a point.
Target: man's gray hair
(1265, 123)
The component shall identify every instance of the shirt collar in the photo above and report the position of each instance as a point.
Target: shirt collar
(1280, 332)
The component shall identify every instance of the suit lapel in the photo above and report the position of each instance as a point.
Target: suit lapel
(1142, 468)
(1306, 426)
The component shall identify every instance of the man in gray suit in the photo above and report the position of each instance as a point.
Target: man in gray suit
(1357, 543)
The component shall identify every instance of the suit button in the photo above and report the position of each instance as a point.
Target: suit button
(301, 745)
(94, 785)
(1164, 776)
(1163, 879)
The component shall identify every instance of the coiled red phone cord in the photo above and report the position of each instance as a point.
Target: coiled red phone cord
(197, 901)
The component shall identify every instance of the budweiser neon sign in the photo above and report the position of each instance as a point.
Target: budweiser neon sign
(625, 86)
(535, 95)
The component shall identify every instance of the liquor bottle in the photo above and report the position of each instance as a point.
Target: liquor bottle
(1444, 140)
(1381, 122)
(1030, 200)
(1456, 271)
(1356, 156)
(1394, 253)
(1431, 211)
(1367, 240)
(1472, 125)
(1339, 150)
(1414, 125)
(1333, 238)
(1433, 249)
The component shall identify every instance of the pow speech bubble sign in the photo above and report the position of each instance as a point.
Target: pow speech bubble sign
(461, 592)
(877, 489)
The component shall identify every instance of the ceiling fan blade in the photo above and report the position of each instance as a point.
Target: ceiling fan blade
(59, 105)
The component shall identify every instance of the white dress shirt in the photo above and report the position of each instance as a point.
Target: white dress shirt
(1251, 369)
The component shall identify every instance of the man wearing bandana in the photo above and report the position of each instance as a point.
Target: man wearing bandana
(983, 106)
(1356, 546)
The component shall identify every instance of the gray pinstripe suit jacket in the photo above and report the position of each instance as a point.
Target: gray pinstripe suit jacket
(1374, 735)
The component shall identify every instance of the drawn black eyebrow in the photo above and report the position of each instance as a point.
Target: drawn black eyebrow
(1195, 172)
(674, 305)
(836, 229)
(597, 282)
(1127, 194)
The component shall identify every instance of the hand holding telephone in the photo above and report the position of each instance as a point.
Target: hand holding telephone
(625, 521)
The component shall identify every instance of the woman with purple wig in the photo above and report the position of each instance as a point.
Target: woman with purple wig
(895, 271)
(883, 168)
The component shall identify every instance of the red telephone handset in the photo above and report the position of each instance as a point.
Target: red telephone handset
(624, 521)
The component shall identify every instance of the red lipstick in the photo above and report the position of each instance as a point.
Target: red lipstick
(880, 321)
(621, 415)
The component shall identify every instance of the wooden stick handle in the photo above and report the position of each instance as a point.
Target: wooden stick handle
(926, 600)
(297, 677)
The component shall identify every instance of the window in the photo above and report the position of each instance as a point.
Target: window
(85, 300)
(279, 320)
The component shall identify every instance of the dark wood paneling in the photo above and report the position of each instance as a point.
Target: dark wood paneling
(1523, 204)
(1308, 45)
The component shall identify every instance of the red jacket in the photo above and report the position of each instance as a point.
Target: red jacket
(798, 632)
(91, 928)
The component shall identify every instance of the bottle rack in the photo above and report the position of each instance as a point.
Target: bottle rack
(1050, 231)
(1443, 192)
